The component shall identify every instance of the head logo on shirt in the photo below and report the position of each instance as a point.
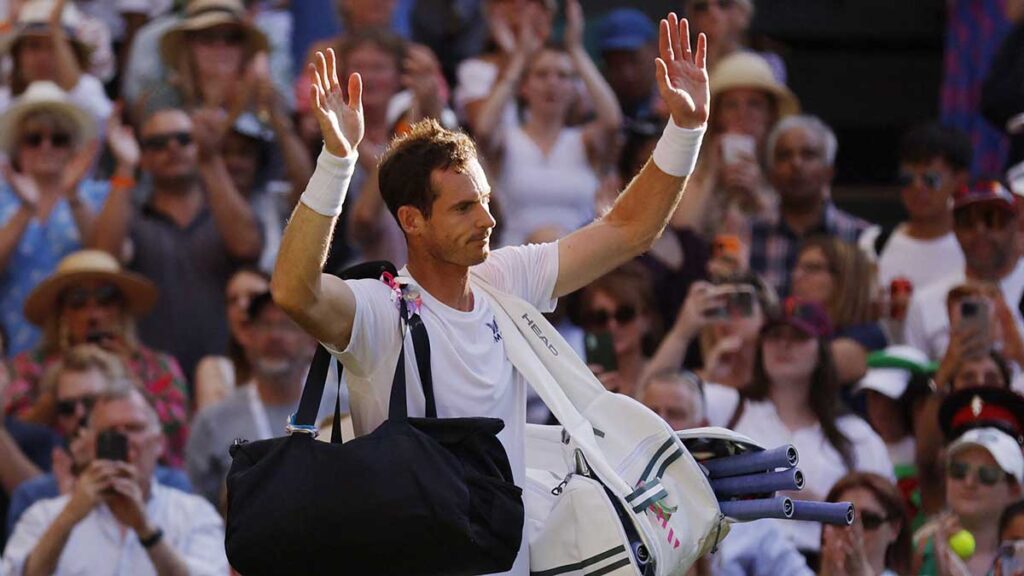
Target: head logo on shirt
(495, 331)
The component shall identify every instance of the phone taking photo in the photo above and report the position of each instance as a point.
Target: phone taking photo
(975, 313)
(735, 147)
(733, 302)
(600, 350)
(112, 445)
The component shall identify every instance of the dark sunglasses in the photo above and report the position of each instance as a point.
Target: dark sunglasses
(987, 475)
(969, 217)
(70, 406)
(162, 141)
(56, 139)
(77, 298)
(599, 318)
(705, 5)
(209, 37)
(871, 521)
(931, 179)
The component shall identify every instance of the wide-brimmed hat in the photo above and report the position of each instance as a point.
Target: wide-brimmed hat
(748, 70)
(139, 293)
(43, 96)
(203, 14)
(34, 19)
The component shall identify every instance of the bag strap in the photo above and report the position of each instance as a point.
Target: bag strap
(397, 409)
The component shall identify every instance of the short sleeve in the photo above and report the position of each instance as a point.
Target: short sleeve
(27, 532)
(375, 328)
(529, 272)
(203, 551)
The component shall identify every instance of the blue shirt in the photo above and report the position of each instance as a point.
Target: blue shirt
(41, 247)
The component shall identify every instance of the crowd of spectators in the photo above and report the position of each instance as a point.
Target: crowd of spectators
(153, 151)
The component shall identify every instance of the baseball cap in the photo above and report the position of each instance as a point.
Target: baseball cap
(890, 370)
(985, 191)
(625, 29)
(1003, 448)
(809, 317)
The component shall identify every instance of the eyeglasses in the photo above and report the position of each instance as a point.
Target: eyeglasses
(931, 179)
(231, 37)
(993, 218)
(69, 406)
(162, 141)
(871, 520)
(56, 139)
(705, 5)
(987, 475)
(599, 318)
(77, 298)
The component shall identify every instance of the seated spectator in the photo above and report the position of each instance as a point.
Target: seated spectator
(547, 173)
(89, 299)
(985, 223)
(279, 353)
(169, 531)
(793, 399)
(730, 184)
(678, 397)
(83, 374)
(188, 238)
(627, 44)
(879, 541)
(217, 376)
(1011, 539)
(25, 449)
(934, 164)
(728, 338)
(984, 471)
(989, 370)
(50, 46)
(801, 154)
(47, 205)
(620, 303)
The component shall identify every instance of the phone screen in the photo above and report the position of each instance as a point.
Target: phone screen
(600, 349)
(111, 445)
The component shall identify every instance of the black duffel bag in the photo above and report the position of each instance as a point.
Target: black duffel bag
(417, 496)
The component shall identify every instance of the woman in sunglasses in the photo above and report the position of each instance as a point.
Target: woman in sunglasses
(984, 469)
(89, 299)
(47, 205)
(619, 305)
(879, 541)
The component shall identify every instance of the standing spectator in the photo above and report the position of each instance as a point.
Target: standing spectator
(985, 222)
(188, 238)
(170, 532)
(47, 205)
(626, 44)
(548, 172)
(89, 299)
(879, 541)
(794, 399)
(801, 152)
(935, 163)
(46, 46)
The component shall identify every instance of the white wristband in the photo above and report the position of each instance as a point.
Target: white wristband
(328, 186)
(676, 152)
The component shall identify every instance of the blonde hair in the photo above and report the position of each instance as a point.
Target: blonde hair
(83, 358)
(855, 275)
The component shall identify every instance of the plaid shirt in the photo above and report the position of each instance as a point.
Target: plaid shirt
(774, 246)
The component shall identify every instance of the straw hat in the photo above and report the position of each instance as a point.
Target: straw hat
(43, 96)
(748, 70)
(34, 19)
(203, 14)
(140, 293)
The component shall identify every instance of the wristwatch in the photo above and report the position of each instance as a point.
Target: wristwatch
(153, 539)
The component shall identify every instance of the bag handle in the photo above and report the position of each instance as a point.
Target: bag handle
(397, 409)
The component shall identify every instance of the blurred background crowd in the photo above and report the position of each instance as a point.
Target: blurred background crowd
(844, 272)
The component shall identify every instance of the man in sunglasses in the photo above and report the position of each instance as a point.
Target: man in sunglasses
(985, 223)
(193, 232)
(934, 163)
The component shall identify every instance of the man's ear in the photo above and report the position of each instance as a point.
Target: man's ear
(411, 219)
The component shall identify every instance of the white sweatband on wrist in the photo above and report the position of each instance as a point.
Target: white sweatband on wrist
(677, 149)
(328, 186)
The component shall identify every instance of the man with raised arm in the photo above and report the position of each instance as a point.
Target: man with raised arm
(434, 186)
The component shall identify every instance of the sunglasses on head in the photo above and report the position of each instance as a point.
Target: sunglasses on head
(931, 179)
(705, 5)
(56, 139)
(162, 141)
(69, 406)
(871, 520)
(77, 298)
(599, 318)
(993, 218)
(987, 475)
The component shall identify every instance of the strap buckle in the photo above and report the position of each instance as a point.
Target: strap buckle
(291, 427)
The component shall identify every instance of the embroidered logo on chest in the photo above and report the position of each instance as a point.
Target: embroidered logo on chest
(495, 331)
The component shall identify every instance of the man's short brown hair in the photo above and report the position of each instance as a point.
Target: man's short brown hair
(410, 159)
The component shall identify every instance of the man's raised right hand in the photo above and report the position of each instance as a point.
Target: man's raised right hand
(341, 123)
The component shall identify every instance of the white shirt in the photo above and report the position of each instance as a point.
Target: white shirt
(472, 373)
(923, 262)
(927, 324)
(820, 462)
(98, 547)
